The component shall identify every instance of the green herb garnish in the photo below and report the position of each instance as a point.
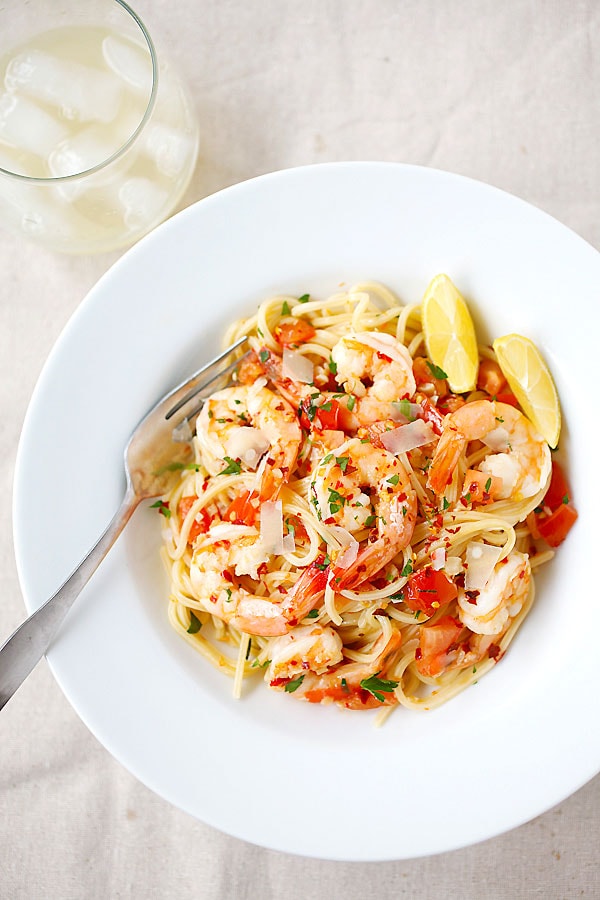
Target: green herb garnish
(195, 624)
(378, 686)
(163, 508)
(436, 371)
(292, 686)
(233, 467)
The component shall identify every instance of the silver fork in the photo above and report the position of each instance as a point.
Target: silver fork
(153, 455)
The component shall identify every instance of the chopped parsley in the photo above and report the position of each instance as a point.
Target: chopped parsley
(292, 686)
(195, 624)
(163, 508)
(263, 356)
(404, 408)
(350, 402)
(335, 500)
(488, 485)
(332, 365)
(304, 298)
(342, 462)
(285, 309)
(312, 614)
(378, 686)
(393, 479)
(407, 570)
(436, 371)
(233, 467)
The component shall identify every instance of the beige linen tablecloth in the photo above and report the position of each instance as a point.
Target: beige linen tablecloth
(505, 92)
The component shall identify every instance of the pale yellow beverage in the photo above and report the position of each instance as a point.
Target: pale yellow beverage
(104, 138)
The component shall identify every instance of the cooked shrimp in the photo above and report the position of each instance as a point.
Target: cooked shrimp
(344, 683)
(361, 486)
(245, 424)
(520, 457)
(490, 610)
(483, 617)
(220, 557)
(308, 647)
(317, 410)
(228, 552)
(271, 617)
(377, 369)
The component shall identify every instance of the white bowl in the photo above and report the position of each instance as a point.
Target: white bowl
(307, 779)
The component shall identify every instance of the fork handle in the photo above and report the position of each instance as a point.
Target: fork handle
(25, 647)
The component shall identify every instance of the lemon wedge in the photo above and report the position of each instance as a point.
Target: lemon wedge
(530, 381)
(450, 334)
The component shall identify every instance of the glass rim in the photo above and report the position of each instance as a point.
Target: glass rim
(59, 179)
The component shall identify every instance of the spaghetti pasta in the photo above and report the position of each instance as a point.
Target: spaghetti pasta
(353, 529)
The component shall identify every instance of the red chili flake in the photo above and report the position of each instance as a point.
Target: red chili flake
(227, 575)
(277, 682)
(418, 653)
(262, 569)
(460, 580)
(494, 651)
(472, 596)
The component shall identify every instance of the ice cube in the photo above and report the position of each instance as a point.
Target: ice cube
(79, 92)
(170, 149)
(24, 125)
(35, 209)
(80, 152)
(130, 62)
(142, 202)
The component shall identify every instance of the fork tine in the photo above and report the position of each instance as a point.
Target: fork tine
(203, 384)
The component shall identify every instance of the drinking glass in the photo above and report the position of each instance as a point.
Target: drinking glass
(98, 140)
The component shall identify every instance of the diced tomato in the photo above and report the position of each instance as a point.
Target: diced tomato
(351, 696)
(243, 509)
(563, 515)
(325, 416)
(201, 523)
(428, 590)
(481, 487)
(434, 643)
(297, 331)
(490, 377)
(558, 490)
(555, 527)
(425, 379)
(336, 693)
(509, 398)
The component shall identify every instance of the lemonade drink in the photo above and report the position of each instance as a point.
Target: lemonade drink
(97, 141)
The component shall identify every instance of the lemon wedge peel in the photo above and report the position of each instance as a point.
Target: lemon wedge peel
(450, 334)
(530, 380)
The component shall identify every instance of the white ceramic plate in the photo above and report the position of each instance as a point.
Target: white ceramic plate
(306, 779)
